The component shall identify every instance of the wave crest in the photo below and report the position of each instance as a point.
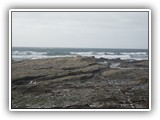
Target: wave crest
(28, 53)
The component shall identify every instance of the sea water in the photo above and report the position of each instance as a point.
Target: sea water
(24, 53)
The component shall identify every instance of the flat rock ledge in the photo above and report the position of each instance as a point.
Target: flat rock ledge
(79, 83)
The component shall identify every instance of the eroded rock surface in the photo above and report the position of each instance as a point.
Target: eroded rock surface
(79, 82)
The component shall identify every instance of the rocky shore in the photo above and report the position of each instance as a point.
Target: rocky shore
(80, 82)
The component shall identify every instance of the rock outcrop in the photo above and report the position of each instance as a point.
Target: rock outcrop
(78, 82)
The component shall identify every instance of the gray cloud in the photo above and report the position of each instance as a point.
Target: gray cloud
(80, 29)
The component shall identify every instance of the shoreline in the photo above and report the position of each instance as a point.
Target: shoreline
(113, 63)
(101, 59)
(80, 82)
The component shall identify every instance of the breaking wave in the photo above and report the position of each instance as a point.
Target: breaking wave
(38, 53)
(28, 53)
(113, 55)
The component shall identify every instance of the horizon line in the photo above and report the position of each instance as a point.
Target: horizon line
(77, 47)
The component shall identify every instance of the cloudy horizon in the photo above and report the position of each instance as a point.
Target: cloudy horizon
(80, 29)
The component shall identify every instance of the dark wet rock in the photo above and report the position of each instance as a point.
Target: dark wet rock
(78, 82)
(101, 59)
(135, 64)
(108, 60)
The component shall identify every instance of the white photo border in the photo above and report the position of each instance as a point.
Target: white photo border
(79, 10)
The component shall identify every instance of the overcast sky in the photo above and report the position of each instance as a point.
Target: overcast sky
(80, 29)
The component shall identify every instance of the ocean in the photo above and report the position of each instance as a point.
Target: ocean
(28, 53)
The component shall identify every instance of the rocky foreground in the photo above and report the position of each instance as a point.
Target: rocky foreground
(80, 82)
